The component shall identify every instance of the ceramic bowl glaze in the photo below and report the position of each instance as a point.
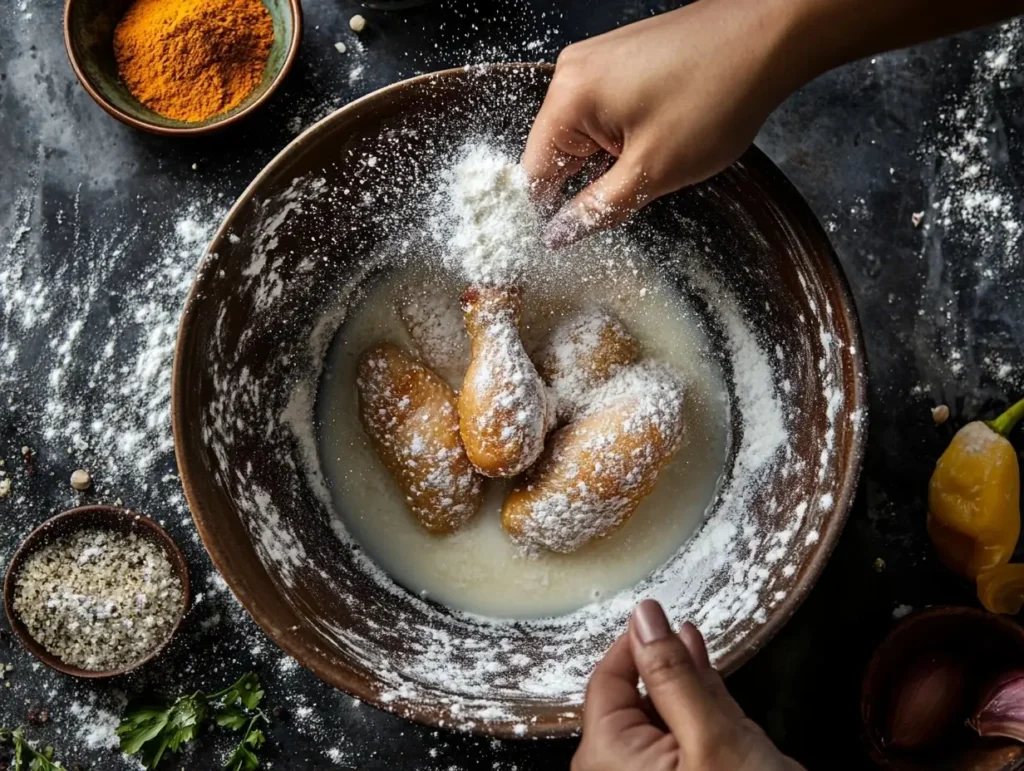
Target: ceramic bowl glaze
(89, 35)
(310, 225)
(84, 518)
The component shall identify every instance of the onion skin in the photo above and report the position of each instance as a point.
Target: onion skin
(928, 701)
(1001, 710)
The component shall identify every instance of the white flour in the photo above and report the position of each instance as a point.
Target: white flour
(486, 221)
(434, 322)
(128, 435)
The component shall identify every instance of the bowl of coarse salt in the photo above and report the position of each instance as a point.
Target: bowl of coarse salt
(96, 591)
(732, 284)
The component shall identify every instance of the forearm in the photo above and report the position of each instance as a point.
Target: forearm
(828, 33)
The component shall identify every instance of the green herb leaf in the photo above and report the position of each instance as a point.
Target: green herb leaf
(139, 726)
(37, 760)
(242, 759)
(153, 730)
(231, 717)
(247, 691)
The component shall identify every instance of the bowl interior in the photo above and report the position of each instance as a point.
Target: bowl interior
(71, 521)
(266, 303)
(988, 644)
(89, 35)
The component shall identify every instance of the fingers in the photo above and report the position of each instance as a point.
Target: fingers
(557, 147)
(609, 201)
(694, 642)
(612, 685)
(673, 670)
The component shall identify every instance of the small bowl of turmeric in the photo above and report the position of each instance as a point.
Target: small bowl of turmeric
(181, 67)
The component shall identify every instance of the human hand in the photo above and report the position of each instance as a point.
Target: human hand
(674, 99)
(687, 722)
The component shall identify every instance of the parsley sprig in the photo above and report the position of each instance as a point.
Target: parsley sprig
(152, 730)
(38, 760)
(243, 758)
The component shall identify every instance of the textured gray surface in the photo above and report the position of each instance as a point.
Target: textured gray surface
(90, 211)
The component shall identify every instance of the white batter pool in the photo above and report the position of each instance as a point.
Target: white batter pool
(478, 569)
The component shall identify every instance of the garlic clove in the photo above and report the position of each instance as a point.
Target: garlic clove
(927, 702)
(1001, 710)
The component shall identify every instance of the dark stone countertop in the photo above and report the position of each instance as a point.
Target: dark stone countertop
(868, 145)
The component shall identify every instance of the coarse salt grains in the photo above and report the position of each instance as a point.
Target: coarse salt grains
(99, 600)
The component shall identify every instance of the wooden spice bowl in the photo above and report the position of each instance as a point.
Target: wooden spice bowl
(103, 518)
(89, 35)
(987, 644)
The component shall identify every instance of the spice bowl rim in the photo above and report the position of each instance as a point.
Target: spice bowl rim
(102, 517)
(211, 125)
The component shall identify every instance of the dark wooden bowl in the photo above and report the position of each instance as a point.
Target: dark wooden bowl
(241, 354)
(71, 521)
(89, 40)
(988, 645)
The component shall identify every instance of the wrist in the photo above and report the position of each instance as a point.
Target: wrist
(803, 45)
(784, 38)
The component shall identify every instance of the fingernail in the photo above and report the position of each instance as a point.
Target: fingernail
(650, 622)
(564, 228)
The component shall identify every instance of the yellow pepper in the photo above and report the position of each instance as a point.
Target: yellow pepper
(974, 497)
(1001, 589)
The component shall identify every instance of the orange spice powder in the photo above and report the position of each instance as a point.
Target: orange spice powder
(192, 59)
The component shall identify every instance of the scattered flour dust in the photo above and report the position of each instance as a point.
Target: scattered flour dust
(105, 380)
(96, 726)
(974, 228)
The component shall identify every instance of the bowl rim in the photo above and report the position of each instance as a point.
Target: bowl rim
(99, 514)
(437, 716)
(295, 9)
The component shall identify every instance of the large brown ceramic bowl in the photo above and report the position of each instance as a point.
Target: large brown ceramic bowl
(265, 305)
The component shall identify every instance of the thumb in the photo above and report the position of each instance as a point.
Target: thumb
(673, 676)
(608, 201)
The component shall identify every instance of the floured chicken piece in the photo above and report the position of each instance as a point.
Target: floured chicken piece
(504, 408)
(410, 416)
(581, 353)
(434, 321)
(596, 470)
